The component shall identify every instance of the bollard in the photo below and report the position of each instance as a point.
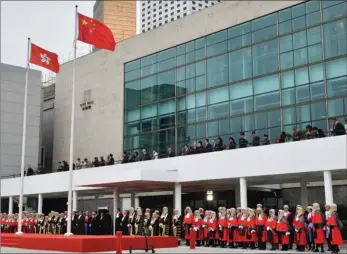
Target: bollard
(192, 239)
(119, 236)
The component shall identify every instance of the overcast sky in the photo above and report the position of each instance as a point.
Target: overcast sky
(49, 24)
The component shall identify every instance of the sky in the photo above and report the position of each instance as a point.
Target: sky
(49, 24)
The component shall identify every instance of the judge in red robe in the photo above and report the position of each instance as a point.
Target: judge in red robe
(242, 222)
(299, 228)
(212, 227)
(335, 231)
(271, 236)
(283, 229)
(223, 228)
(260, 221)
(197, 228)
(251, 236)
(233, 229)
(187, 223)
(204, 226)
(318, 227)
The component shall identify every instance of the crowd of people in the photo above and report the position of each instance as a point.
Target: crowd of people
(244, 228)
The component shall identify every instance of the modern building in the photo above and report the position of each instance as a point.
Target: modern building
(158, 13)
(119, 16)
(12, 109)
(239, 66)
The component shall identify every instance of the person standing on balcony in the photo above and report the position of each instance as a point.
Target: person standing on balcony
(208, 146)
(145, 155)
(338, 128)
(243, 142)
(266, 140)
(256, 139)
(170, 153)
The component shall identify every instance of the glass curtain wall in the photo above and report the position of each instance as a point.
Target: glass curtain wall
(284, 70)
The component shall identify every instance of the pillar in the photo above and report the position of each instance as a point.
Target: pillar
(137, 202)
(115, 206)
(243, 192)
(39, 204)
(74, 201)
(132, 200)
(10, 205)
(328, 188)
(237, 196)
(178, 197)
(303, 194)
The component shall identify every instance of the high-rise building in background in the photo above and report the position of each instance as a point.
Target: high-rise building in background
(157, 13)
(119, 16)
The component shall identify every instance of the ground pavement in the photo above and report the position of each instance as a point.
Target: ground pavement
(181, 249)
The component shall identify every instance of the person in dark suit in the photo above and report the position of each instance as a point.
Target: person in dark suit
(93, 224)
(170, 153)
(80, 224)
(208, 146)
(74, 217)
(266, 140)
(119, 217)
(338, 128)
(124, 223)
(243, 142)
(256, 139)
(125, 158)
(145, 155)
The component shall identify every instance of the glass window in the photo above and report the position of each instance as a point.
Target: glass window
(264, 34)
(335, 11)
(181, 49)
(148, 70)
(132, 94)
(301, 76)
(317, 90)
(149, 89)
(265, 101)
(132, 65)
(289, 116)
(190, 57)
(298, 10)
(313, 35)
(261, 121)
(200, 99)
(335, 38)
(288, 96)
(287, 60)
(200, 68)
(287, 79)
(316, 72)
(285, 15)
(302, 93)
(148, 60)
(201, 131)
(266, 21)
(241, 106)
(200, 83)
(240, 64)
(190, 101)
(300, 56)
(132, 75)
(217, 48)
(335, 107)
(312, 6)
(166, 64)
(190, 71)
(181, 103)
(313, 18)
(190, 46)
(166, 84)
(299, 40)
(240, 41)
(241, 90)
(133, 115)
(217, 95)
(239, 30)
(318, 111)
(200, 43)
(212, 129)
(326, 4)
(265, 53)
(149, 111)
(181, 59)
(299, 23)
(217, 70)
(166, 54)
(285, 27)
(266, 84)
(181, 88)
(200, 114)
(336, 68)
(166, 107)
(337, 86)
(132, 128)
(224, 126)
(236, 124)
(286, 43)
(180, 73)
(216, 37)
(218, 110)
(200, 54)
(303, 113)
(315, 53)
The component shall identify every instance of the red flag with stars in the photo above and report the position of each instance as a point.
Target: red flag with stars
(95, 33)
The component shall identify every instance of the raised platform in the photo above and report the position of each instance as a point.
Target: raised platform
(84, 243)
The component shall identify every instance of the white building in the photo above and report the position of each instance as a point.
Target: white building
(158, 13)
(12, 108)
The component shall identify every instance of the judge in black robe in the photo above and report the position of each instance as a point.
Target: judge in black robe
(119, 217)
(124, 223)
(93, 224)
(80, 227)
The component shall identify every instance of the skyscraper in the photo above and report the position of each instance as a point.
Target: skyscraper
(157, 13)
(119, 16)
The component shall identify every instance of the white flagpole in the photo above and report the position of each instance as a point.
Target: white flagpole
(72, 130)
(22, 164)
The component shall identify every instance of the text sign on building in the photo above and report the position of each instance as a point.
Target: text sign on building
(87, 100)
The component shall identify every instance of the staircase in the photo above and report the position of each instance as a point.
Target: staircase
(9, 240)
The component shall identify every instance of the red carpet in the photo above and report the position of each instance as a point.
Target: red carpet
(78, 243)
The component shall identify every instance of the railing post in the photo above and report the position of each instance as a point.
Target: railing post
(192, 238)
(119, 236)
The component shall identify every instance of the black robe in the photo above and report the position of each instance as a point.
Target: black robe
(166, 223)
(118, 222)
(124, 225)
(154, 223)
(139, 225)
(93, 224)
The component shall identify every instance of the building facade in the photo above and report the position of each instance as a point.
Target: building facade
(12, 108)
(157, 13)
(281, 71)
(119, 16)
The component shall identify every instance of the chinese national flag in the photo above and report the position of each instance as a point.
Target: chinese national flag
(44, 58)
(95, 33)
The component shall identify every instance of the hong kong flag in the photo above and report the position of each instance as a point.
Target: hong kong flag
(44, 58)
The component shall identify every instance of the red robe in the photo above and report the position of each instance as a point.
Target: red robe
(205, 228)
(212, 227)
(260, 222)
(197, 229)
(300, 232)
(336, 238)
(318, 225)
(271, 234)
(233, 229)
(187, 223)
(223, 229)
(251, 236)
(242, 232)
(282, 228)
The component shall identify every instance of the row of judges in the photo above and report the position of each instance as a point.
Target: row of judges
(232, 228)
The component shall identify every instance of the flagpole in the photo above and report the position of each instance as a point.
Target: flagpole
(22, 164)
(72, 130)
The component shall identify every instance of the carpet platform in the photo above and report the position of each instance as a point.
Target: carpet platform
(85, 243)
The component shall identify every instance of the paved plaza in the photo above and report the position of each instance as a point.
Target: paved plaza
(181, 249)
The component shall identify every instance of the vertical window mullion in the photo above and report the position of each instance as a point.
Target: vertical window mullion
(279, 70)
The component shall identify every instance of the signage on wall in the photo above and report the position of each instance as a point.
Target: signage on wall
(87, 101)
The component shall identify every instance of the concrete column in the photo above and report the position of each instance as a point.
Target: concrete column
(137, 202)
(237, 196)
(178, 197)
(39, 203)
(74, 201)
(303, 194)
(10, 205)
(132, 200)
(328, 188)
(243, 192)
(115, 206)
